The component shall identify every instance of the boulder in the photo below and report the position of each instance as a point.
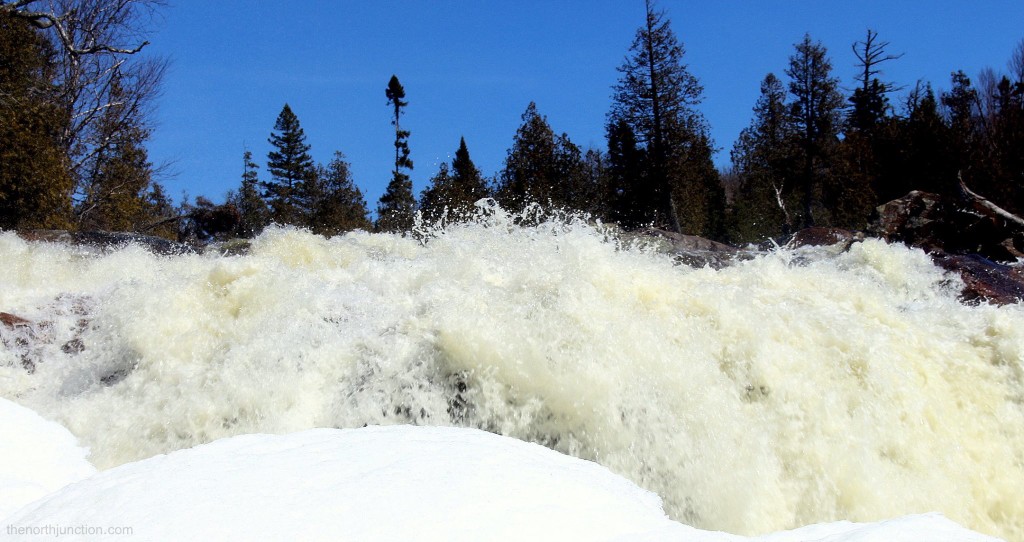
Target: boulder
(961, 224)
(965, 234)
(818, 236)
(692, 250)
(984, 280)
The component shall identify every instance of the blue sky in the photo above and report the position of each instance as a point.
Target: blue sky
(470, 69)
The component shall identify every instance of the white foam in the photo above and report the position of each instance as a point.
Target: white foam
(783, 391)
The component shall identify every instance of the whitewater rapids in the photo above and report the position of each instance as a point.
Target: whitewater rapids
(793, 388)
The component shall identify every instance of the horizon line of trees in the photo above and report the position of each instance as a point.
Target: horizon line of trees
(811, 155)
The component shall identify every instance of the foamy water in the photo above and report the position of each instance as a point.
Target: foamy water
(790, 389)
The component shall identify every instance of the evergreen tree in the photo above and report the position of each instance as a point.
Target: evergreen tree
(338, 205)
(913, 151)
(961, 103)
(762, 157)
(530, 172)
(470, 184)
(454, 191)
(626, 193)
(396, 208)
(253, 211)
(35, 184)
(435, 198)
(573, 188)
(291, 170)
(656, 96)
(596, 180)
(815, 109)
(1006, 145)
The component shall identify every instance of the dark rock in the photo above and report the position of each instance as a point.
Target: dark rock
(12, 321)
(692, 250)
(965, 234)
(963, 224)
(984, 280)
(817, 237)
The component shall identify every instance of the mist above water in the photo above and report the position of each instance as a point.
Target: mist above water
(793, 388)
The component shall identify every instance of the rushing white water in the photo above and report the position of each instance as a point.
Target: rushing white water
(777, 392)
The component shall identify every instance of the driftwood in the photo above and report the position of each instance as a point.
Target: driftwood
(987, 207)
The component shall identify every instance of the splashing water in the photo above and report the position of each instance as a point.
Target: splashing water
(789, 389)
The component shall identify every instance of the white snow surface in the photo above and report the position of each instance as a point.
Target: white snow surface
(37, 457)
(374, 483)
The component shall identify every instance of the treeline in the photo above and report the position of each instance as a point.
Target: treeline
(74, 154)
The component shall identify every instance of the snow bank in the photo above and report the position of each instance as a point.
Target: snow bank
(374, 483)
(394, 483)
(37, 457)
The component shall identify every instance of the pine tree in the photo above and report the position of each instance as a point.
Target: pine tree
(253, 210)
(35, 184)
(338, 205)
(291, 169)
(396, 208)
(656, 96)
(815, 108)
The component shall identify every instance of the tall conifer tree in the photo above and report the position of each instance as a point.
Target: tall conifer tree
(530, 173)
(454, 190)
(291, 169)
(396, 208)
(656, 97)
(815, 108)
(253, 210)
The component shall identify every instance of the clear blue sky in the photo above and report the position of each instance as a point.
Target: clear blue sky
(470, 69)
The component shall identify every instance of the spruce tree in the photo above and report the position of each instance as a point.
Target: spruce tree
(454, 191)
(338, 205)
(469, 184)
(253, 210)
(529, 173)
(291, 169)
(397, 207)
(35, 184)
(435, 200)
(656, 96)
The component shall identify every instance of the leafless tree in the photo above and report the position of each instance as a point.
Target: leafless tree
(870, 54)
(1017, 62)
